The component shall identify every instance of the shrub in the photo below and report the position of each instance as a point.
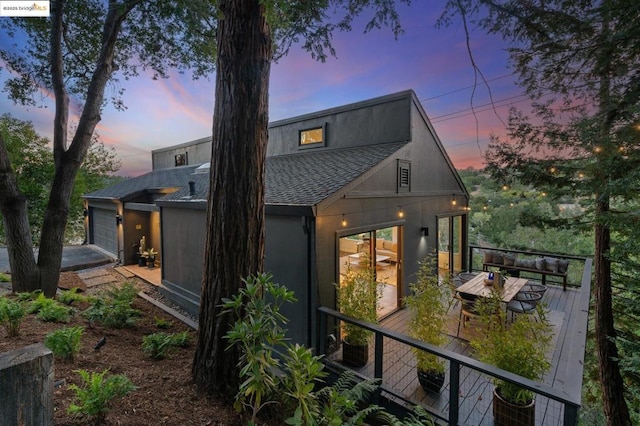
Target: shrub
(163, 323)
(4, 278)
(158, 345)
(64, 342)
(49, 310)
(116, 313)
(55, 312)
(11, 315)
(125, 293)
(71, 296)
(97, 392)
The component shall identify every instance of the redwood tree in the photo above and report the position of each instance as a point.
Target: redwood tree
(579, 62)
(74, 54)
(251, 33)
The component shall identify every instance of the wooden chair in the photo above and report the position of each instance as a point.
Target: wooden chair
(467, 308)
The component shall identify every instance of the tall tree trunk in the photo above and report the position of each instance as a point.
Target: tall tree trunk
(235, 212)
(611, 382)
(26, 274)
(13, 205)
(612, 385)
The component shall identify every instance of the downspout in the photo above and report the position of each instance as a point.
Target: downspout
(308, 226)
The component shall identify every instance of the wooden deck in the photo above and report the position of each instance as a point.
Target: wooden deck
(475, 393)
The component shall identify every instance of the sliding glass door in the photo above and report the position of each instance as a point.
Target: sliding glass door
(379, 249)
(450, 239)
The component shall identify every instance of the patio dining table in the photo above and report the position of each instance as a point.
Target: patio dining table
(477, 287)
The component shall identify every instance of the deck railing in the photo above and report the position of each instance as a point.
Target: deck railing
(573, 271)
(463, 399)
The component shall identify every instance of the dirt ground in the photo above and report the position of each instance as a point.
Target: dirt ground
(165, 393)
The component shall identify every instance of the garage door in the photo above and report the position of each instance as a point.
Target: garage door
(103, 229)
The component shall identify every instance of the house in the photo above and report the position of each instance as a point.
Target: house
(365, 178)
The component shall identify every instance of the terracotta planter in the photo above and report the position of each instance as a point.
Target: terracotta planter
(431, 381)
(508, 414)
(355, 355)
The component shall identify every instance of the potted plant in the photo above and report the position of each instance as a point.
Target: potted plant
(358, 297)
(428, 303)
(519, 347)
(150, 256)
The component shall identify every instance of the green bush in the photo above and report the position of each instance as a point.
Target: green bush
(49, 310)
(158, 345)
(71, 296)
(116, 313)
(25, 296)
(4, 278)
(11, 315)
(97, 392)
(163, 323)
(55, 312)
(125, 293)
(64, 342)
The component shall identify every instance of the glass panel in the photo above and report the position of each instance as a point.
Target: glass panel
(381, 245)
(456, 223)
(443, 244)
(311, 136)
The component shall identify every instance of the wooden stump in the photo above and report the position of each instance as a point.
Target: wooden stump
(26, 380)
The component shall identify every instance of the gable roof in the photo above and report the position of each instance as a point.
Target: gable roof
(306, 178)
(155, 180)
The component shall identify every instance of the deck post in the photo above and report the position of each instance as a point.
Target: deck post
(322, 332)
(377, 366)
(454, 391)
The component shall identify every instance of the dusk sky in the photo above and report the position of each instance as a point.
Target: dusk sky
(433, 62)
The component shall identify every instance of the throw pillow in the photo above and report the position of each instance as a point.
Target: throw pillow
(509, 259)
(563, 265)
(540, 263)
(551, 264)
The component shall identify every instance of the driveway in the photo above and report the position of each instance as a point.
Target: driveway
(74, 258)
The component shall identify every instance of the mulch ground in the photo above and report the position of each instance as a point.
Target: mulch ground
(165, 393)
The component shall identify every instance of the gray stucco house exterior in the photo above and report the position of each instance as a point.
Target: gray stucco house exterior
(370, 177)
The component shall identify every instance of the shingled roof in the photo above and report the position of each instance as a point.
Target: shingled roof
(306, 178)
(154, 180)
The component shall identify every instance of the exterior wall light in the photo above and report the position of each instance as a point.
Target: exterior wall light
(400, 212)
(344, 221)
(118, 219)
(425, 231)
(453, 200)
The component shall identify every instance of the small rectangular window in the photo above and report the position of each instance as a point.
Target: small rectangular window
(312, 136)
(181, 159)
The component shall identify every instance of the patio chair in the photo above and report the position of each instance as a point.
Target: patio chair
(467, 308)
(534, 287)
(524, 302)
(466, 276)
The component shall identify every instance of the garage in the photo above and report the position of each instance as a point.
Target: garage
(103, 231)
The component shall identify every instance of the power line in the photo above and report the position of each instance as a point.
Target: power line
(480, 108)
(464, 88)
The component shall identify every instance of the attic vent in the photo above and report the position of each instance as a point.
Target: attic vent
(404, 176)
